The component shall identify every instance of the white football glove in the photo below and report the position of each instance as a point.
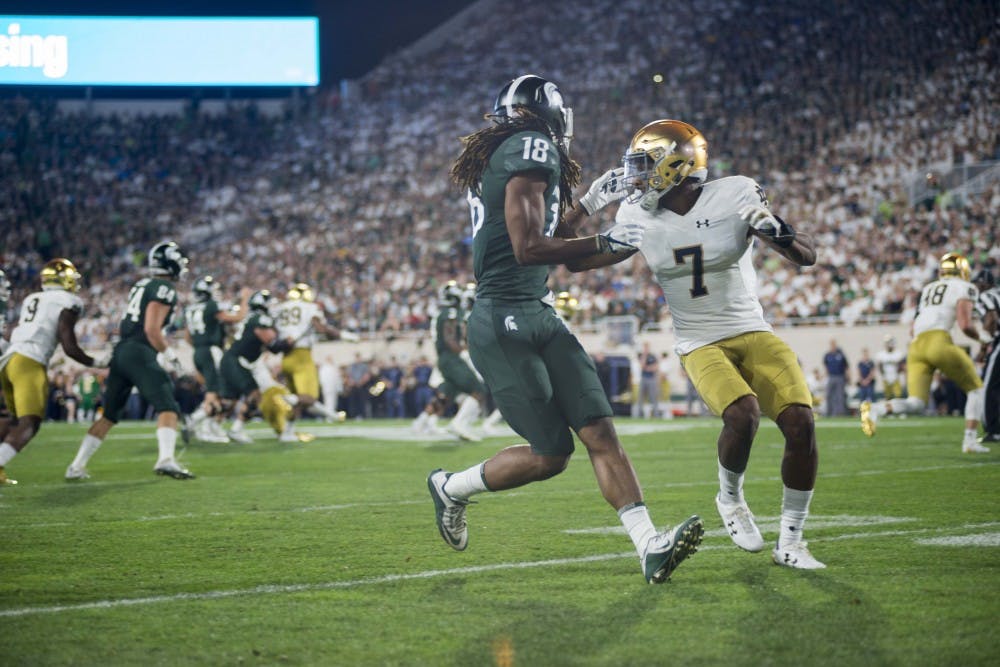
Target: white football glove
(608, 188)
(103, 361)
(170, 361)
(626, 237)
(768, 225)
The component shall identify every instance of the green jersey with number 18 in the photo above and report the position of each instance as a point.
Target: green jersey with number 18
(498, 274)
(141, 295)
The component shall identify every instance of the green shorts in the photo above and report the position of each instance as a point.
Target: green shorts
(458, 377)
(208, 365)
(133, 364)
(236, 381)
(541, 378)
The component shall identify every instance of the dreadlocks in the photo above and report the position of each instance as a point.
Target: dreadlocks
(467, 171)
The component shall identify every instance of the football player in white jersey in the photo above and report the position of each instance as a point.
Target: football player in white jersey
(47, 320)
(697, 237)
(300, 320)
(943, 303)
(889, 360)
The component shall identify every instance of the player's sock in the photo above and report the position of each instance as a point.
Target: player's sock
(88, 446)
(321, 410)
(469, 482)
(237, 425)
(794, 510)
(635, 518)
(166, 440)
(432, 422)
(493, 419)
(198, 416)
(730, 485)
(468, 410)
(7, 452)
(291, 399)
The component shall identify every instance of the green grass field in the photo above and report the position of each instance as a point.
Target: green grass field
(327, 554)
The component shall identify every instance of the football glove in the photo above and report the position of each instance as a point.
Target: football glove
(768, 225)
(620, 238)
(170, 361)
(608, 188)
(103, 361)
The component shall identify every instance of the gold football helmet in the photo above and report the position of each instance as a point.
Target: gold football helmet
(954, 265)
(566, 305)
(660, 156)
(59, 273)
(301, 292)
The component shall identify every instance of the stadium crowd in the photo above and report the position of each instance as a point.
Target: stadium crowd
(833, 109)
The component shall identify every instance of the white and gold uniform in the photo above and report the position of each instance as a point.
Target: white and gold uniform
(34, 340)
(932, 346)
(703, 260)
(295, 321)
(888, 367)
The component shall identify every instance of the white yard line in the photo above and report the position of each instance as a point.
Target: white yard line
(270, 589)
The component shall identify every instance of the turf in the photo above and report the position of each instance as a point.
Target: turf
(327, 554)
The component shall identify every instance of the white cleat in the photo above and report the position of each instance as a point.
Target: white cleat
(463, 432)
(973, 447)
(796, 556)
(738, 521)
(240, 437)
(75, 474)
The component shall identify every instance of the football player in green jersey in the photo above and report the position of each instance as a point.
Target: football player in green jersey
(520, 179)
(204, 323)
(242, 361)
(134, 364)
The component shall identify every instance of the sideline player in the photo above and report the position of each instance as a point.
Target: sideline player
(698, 238)
(889, 361)
(47, 319)
(134, 364)
(519, 179)
(943, 303)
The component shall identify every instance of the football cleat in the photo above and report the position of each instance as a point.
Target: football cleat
(4, 479)
(869, 418)
(75, 474)
(989, 437)
(240, 437)
(795, 556)
(305, 437)
(668, 549)
(463, 432)
(973, 447)
(173, 469)
(738, 521)
(450, 512)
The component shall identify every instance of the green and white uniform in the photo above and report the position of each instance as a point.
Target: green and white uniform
(541, 378)
(236, 367)
(133, 363)
(457, 377)
(207, 336)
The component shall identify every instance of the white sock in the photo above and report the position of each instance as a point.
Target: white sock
(291, 399)
(432, 422)
(420, 420)
(730, 485)
(289, 428)
(237, 425)
(493, 419)
(7, 452)
(88, 446)
(166, 439)
(469, 482)
(971, 435)
(635, 518)
(198, 416)
(467, 411)
(794, 510)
